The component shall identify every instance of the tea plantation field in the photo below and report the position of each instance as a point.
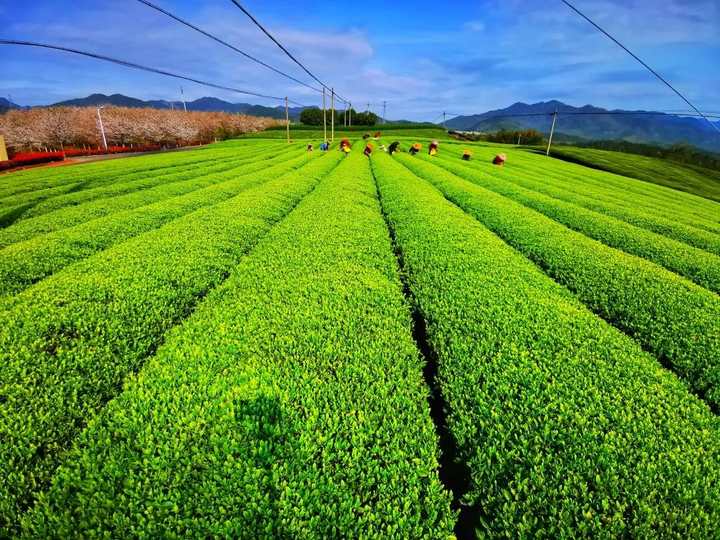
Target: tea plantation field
(249, 340)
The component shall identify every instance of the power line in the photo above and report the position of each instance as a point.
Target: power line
(651, 70)
(140, 67)
(282, 48)
(226, 44)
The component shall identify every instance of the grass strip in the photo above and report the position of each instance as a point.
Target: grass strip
(567, 427)
(124, 185)
(67, 343)
(695, 264)
(25, 263)
(69, 216)
(101, 172)
(673, 318)
(290, 405)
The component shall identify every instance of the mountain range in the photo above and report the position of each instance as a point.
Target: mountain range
(205, 104)
(6, 104)
(633, 126)
(593, 124)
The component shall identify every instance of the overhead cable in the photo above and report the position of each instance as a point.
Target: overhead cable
(284, 49)
(651, 70)
(226, 44)
(141, 67)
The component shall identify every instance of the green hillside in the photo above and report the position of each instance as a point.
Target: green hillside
(692, 179)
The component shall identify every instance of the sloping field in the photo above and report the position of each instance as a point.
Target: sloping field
(692, 179)
(253, 341)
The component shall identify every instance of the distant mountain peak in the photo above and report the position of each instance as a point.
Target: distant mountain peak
(203, 104)
(663, 129)
(7, 104)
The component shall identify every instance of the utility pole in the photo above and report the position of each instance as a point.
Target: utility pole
(287, 119)
(182, 96)
(102, 128)
(350, 115)
(332, 115)
(518, 139)
(384, 107)
(552, 131)
(444, 116)
(324, 118)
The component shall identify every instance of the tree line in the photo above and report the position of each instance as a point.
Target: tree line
(314, 117)
(529, 137)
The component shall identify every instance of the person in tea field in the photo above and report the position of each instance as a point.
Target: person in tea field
(433, 149)
(393, 148)
(500, 160)
(415, 148)
(467, 154)
(310, 147)
(368, 149)
(345, 145)
(324, 147)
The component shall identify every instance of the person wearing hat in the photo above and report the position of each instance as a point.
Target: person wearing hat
(393, 147)
(500, 160)
(368, 149)
(467, 154)
(415, 148)
(433, 150)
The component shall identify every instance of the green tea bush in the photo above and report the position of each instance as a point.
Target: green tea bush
(67, 343)
(700, 266)
(69, 216)
(567, 427)
(25, 263)
(103, 172)
(129, 185)
(678, 321)
(290, 405)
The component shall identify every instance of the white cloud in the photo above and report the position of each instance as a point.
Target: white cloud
(474, 26)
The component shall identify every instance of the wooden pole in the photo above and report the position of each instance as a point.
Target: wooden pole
(552, 131)
(350, 115)
(287, 119)
(3, 149)
(324, 118)
(332, 115)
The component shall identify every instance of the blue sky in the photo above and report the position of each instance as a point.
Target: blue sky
(422, 57)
